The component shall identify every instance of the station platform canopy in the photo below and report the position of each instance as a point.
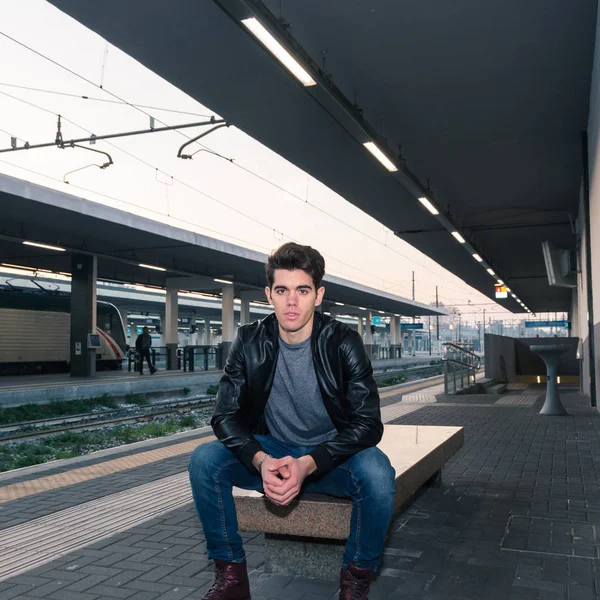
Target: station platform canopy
(135, 249)
(478, 106)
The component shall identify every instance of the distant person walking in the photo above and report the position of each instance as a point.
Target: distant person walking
(143, 345)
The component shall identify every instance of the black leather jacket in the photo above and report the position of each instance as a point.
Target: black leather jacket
(345, 379)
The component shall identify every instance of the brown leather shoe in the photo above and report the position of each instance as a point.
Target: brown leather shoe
(355, 582)
(230, 582)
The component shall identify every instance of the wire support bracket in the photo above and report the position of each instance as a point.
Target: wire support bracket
(60, 143)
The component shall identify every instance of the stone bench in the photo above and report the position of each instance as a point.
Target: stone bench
(307, 537)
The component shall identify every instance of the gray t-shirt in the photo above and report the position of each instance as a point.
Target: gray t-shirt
(295, 413)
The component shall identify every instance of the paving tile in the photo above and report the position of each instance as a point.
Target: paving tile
(514, 517)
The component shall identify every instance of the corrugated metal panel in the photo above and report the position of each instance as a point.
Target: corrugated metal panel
(34, 336)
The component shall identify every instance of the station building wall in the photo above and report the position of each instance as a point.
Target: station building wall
(594, 178)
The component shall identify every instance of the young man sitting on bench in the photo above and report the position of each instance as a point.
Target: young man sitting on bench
(297, 410)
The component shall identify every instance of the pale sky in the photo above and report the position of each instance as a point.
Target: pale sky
(258, 202)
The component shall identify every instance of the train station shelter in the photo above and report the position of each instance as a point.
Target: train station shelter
(469, 129)
(46, 229)
(472, 130)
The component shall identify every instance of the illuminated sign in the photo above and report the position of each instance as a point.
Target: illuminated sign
(501, 291)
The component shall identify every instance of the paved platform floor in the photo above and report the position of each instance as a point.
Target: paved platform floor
(514, 517)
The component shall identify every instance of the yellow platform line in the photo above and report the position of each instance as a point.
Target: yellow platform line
(60, 480)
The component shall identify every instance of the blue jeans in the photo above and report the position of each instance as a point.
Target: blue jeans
(367, 477)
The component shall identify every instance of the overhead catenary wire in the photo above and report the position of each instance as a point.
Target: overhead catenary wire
(196, 190)
(138, 108)
(103, 89)
(106, 100)
(185, 184)
(56, 63)
(132, 204)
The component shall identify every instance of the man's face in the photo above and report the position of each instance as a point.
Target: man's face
(294, 298)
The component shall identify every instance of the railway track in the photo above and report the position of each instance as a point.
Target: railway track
(425, 371)
(91, 421)
(98, 420)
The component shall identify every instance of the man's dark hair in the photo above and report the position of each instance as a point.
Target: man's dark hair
(293, 256)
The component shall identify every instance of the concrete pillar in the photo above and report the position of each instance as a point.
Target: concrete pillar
(395, 338)
(361, 326)
(194, 328)
(170, 327)
(245, 312)
(227, 320)
(207, 339)
(163, 326)
(369, 331)
(393, 332)
(369, 334)
(84, 271)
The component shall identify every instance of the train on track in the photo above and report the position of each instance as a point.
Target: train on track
(35, 329)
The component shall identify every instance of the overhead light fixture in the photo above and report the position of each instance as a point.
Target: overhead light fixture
(428, 205)
(381, 312)
(151, 267)
(224, 281)
(380, 156)
(340, 304)
(396, 315)
(46, 246)
(500, 282)
(508, 289)
(491, 272)
(18, 267)
(361, 308)
(459, 238)
(278, 51)
(514, 296)
(477, 258)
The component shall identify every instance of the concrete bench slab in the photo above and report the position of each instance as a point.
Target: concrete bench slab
(306, 537)
(417, 453)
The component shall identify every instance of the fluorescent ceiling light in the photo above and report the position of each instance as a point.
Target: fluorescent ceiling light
(477, 258)
(396, 315)
(381, 312)
(514, 296)
(151, 267)
(340, 304)
(459, 238)
(362, 308)
(491, 272)
(380, 156)
(46, 246)
(428, 205)
(18, 267)
(508, 289)
(224, 281)
(278, 51)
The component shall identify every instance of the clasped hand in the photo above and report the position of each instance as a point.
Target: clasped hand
(283, 478)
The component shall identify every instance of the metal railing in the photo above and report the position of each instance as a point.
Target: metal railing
(460, 367)
(377, 352)
(189, 358)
